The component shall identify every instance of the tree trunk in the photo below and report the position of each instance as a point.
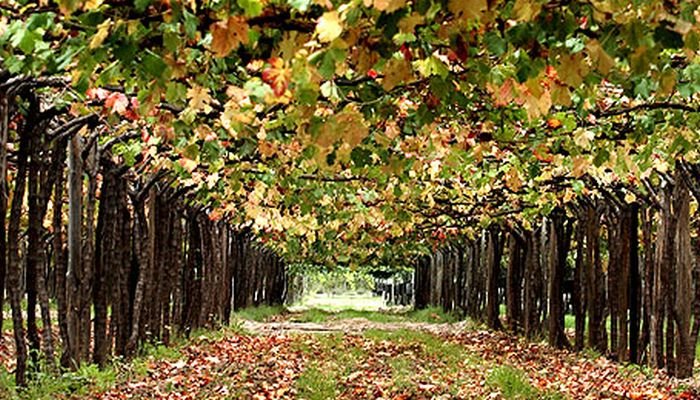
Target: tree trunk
(13, 261)
(635, 285)
(60, 265)
(144, 285)
(4, 134)
(579, 300)
(88, 252)
(75, 279)
(532, 280)
(559, 240)
(595, 284)
(661, 265)
(683, 282)
(493, 263)
(514, 282)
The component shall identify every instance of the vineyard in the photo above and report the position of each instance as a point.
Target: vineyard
(166, 164)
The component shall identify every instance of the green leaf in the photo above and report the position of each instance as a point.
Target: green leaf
(154, 65)
(495, 44)
(141, 5)
(431, 66)
(601, 156)
(251, 8)
(301, 5)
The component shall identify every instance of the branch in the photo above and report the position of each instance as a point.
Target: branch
(121, 138)
(283, 21)
(646, 107)
(72, 126)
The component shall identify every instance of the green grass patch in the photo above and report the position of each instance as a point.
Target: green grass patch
(432, 315)
(429, 315)
(86, 380)
(259, 314)
(402, 372)
(451, 354)
(316, 383)
(319, 380)
(513, 384)
(89, 378)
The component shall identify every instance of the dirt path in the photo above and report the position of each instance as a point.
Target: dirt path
(361, 359)
(350, 326)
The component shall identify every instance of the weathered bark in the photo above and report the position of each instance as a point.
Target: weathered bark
(75, 279)
(13, 262)
(648, 289)
(514, 282)
(595, 284)
(42, 176)
(90, 166)
(494, 251)
(579, 295)
(191, 296)
(635, 283)
(421, 282)
(120, 272)
(559, 240)
(4, 134)
(33, 257)
(60, 264)
(659, 301)
(683, 282)
(142, 247)
(613, 276)
(106, 255)
(533, 279)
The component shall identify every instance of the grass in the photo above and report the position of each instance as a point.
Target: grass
(315, 383)
(431, 315)
(320, 378)
(365, 302)
(321, 315)
(89, 378)
(513, 384)
(450, 353)
(259, 314)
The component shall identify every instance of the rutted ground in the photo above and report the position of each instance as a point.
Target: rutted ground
(361, 359)
(316, 355)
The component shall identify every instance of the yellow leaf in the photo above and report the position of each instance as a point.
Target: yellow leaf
(396, 71)
(583, 138)
(513, 181)
(630, 198)
(535, 99)
(569, 195)
(502, 95)
(199, 98)
(667, 82)
(227, 35)
(561, 95)
(525, 10)
(467, 9)
(352, 125)
(187, 164)
(68, 6)
(329, 26)
(572, 69)
(408, 23)
(580, 167)
(92, 5)
(389, 6)
(601, 60)
(101, 34)
(349, 125)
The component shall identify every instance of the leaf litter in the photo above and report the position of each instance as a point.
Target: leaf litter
(371, 360)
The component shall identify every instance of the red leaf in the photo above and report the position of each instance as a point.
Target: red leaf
(277, 76)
